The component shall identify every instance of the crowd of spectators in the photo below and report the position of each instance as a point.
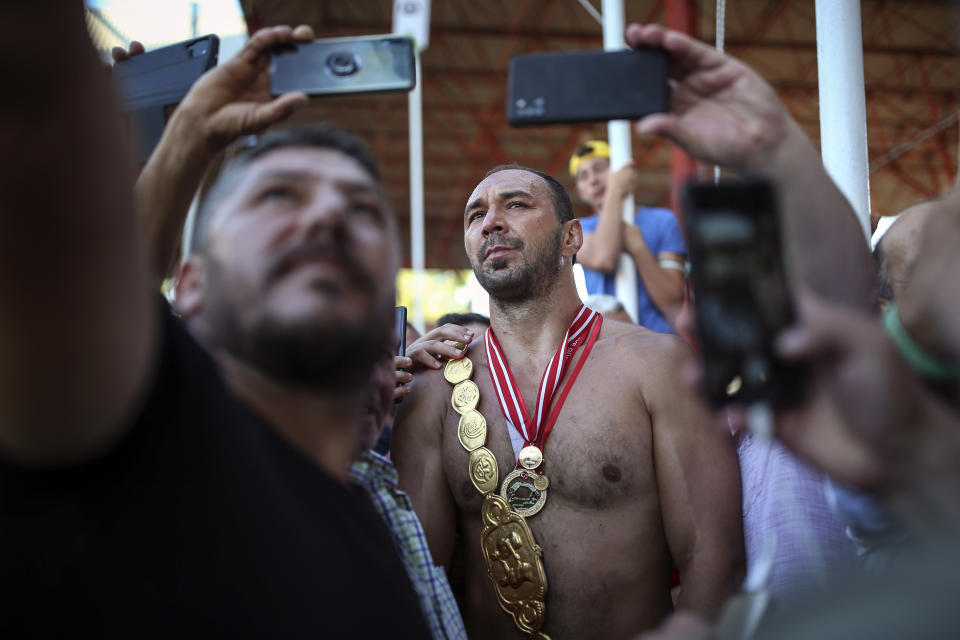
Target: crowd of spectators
(218, 467)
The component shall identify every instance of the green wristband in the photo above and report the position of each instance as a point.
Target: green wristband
(917, 357)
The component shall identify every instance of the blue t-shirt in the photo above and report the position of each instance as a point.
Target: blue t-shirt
(661, 231)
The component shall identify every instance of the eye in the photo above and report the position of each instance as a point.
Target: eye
(474, 215)
(365, 209)
(516, 204)
(277, 193)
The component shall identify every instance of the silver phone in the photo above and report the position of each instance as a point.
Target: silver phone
(338, 66)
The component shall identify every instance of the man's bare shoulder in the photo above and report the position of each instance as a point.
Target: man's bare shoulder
(653, 349)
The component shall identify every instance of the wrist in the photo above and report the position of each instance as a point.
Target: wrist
(926, 364)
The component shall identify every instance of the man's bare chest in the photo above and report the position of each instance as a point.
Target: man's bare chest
(597, 456)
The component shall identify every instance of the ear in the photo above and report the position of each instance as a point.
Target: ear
(572, 238)
(191, 287)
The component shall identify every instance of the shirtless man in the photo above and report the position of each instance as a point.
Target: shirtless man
(638, 481)
(633, 472)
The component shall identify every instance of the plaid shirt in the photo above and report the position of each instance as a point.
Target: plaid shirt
(377, 476)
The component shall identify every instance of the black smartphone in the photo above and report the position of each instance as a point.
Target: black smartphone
(344, 65)
(152, 83)
(741, 293)
(587, 86)
(401, 322)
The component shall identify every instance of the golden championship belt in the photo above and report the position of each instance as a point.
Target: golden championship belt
(512, 556)
(514, 565)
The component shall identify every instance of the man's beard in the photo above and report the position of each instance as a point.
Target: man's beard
(311, 353)
(524, 280)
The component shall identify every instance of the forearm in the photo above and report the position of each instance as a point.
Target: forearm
(925, 479)
(710, 580)
(665, 286)
(78, 322)
(601, 249)
(824, 243)
(167, 186)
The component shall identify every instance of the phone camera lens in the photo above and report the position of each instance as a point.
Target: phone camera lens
(343, 63)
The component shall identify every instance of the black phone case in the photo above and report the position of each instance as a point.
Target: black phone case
(587, 86)
(724, 313)
(152, 81)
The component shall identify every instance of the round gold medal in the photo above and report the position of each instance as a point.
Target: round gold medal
(465, 396)
(531, 457)
(472, 430)
(541, 482)
(483, 470)
(458, 370)
(520, 491)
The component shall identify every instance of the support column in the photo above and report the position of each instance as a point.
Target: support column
(843, 119)
(621, 151)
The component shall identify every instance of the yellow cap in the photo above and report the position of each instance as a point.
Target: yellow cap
(588, 151)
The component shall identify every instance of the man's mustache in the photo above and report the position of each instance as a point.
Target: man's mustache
(498, 240)
(334, 253)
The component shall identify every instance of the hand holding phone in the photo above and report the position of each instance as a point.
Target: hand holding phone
(152, 83)
(741, 293)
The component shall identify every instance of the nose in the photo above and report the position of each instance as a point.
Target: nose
(493, 221)
(325, 210)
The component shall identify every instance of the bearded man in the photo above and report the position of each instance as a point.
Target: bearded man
(151, 486)
(583, 426)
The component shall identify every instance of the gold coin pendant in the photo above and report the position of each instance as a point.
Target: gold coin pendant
(483, 470)
(472, 430)
(458, 370)
(465, 396)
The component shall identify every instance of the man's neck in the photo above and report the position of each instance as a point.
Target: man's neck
(532, 329)
(320, 424)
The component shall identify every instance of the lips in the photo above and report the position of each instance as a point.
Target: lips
(497, 252)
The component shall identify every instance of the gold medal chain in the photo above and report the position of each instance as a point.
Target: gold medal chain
(514, 560)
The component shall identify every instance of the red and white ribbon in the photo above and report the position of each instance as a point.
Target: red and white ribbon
(535, 431)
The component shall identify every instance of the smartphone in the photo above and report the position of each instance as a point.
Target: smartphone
(152, 83)
(344, 65)
(401, 328)
(587, 86)
(741, 295)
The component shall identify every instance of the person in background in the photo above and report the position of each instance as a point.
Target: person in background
(371, 472)
(608, 306)
(168, 481)
(475, 322)
(654, 241)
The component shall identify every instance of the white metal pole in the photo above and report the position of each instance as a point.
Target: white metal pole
(415, 115)
(843, 114)
(621, 151)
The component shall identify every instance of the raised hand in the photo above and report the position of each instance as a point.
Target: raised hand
(233, 99)
(722, 111)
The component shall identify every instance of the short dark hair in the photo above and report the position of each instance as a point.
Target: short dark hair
(463, 318)
(561, 199)
(319, 135)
